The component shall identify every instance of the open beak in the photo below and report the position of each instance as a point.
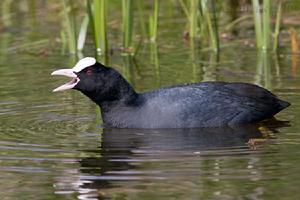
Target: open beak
(68, 73)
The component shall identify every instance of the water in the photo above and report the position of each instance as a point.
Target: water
(53, 146)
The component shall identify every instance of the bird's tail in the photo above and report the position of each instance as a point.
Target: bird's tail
(283, 104)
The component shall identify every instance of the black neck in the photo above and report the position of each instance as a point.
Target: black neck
(117, 92)
(123, 93)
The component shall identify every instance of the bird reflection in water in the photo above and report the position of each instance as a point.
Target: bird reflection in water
(132, 157)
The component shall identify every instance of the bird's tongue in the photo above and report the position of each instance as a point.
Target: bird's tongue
(68, 73)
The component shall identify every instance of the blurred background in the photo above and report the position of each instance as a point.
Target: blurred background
(53, 145)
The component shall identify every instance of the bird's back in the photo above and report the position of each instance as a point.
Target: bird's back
(208, 104)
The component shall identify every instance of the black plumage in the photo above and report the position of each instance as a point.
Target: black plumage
(206, 104)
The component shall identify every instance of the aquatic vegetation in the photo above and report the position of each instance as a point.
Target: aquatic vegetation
(203, 20)
(69, 26)
(211, 23)
(277, 25)
(262, 23)
(127, 22)
(52, 140)
(100, 27)
(82, 33)
(153, 22)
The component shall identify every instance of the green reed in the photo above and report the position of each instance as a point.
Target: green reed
(95, 17)
(277, 25)
(202, 20)
(192, 14)
(262, 24)
(98, 13)
(193, 18)
(83, 33)
(142, 21)
(201, 17)
(257, 23)
(266, 25)
(127, 18)
(70, 25)
(153, 22)
(212, 24)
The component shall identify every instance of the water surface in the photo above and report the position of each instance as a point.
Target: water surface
(53, 146)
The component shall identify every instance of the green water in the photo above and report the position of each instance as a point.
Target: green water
(53, 146)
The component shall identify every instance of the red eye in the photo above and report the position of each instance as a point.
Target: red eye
(89, 72)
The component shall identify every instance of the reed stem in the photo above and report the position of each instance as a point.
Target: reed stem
(194, 8)
(127, 12)
(153, 22)
(212, 25)
(70, 25)
(277, 25)
(215, 32)
(266, 25)
(140, 5)
(257, 23)
(82, 33)
(99, 15)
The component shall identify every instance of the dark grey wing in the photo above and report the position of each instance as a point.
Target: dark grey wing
(223, 103)
(257, 103)
(211, 104)
(259, 95)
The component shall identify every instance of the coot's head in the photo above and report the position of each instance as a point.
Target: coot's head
(98, 82)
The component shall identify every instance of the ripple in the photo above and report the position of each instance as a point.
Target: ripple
(23, 169)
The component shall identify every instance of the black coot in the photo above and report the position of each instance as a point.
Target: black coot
(206, 104)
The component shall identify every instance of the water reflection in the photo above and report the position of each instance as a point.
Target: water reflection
(129, 158)
(51, 148)
(179, 139)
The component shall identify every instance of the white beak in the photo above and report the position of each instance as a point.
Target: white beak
(68, 73)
